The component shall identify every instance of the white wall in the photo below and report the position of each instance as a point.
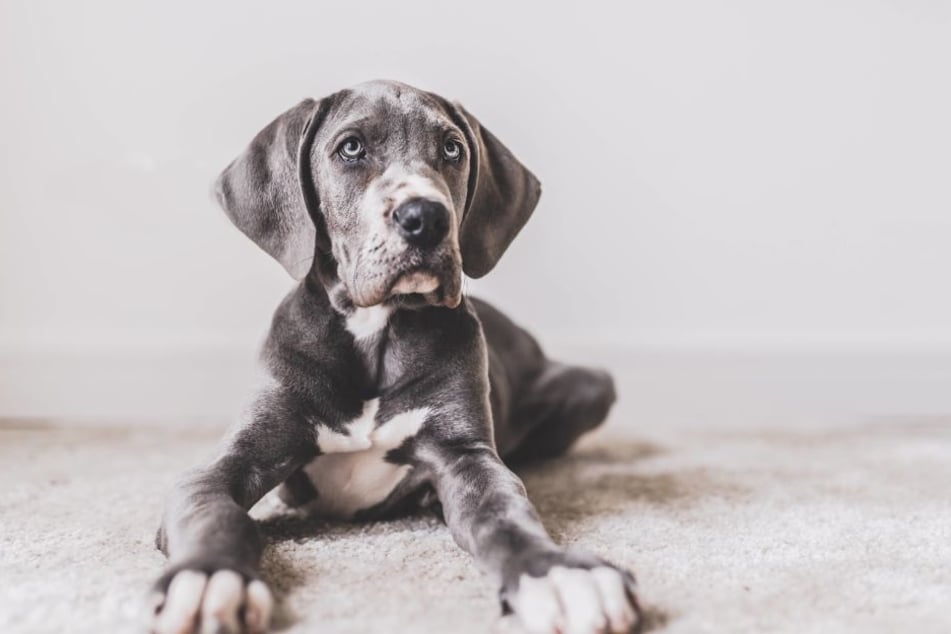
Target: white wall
(727, 172)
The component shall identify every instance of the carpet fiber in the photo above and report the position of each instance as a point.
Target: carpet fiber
(833, 530)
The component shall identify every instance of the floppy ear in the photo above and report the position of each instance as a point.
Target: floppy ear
(502, 195)
(266, 191)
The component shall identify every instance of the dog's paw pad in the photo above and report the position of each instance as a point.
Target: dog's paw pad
(195, 603)
(575, 601)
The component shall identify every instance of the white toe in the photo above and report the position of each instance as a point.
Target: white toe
(181, 603)
(579, 599)
(614, 598)
(222, 602)
(258, 612)
(536, 604)
(195, 603)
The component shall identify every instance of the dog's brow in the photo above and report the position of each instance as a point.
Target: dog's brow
(357, 123)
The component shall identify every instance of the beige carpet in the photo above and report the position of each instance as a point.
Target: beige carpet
(841, 530)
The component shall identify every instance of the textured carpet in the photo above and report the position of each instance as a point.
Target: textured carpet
(823, 530)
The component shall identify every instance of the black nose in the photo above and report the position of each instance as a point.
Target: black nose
(424, 223)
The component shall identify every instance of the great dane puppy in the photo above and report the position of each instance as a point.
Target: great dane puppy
(384, 387)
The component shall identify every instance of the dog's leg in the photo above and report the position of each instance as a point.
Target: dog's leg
(549, 589)
(558, 407)
(214, 548)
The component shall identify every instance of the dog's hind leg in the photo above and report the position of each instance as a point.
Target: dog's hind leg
(560, 405)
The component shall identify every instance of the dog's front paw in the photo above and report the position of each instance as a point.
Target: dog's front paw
(572, 595)
(196, 601)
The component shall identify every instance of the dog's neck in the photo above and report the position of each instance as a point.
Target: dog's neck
(368, 326)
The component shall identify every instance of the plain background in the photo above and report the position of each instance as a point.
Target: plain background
(727, 175)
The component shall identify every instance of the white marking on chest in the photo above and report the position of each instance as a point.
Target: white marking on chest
(366, 322)
(358, 433)
(352, 474)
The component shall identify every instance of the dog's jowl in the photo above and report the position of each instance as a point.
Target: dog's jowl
(384, 385)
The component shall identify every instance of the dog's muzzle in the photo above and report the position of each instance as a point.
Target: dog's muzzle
(424, 224)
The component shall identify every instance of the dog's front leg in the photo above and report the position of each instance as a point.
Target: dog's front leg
(549, 589)
(214, 548)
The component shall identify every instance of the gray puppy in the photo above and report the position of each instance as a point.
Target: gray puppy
(384, 387)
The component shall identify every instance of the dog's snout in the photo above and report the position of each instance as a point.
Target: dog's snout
(423, 223)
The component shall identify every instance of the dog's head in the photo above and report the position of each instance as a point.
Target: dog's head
(392, 191)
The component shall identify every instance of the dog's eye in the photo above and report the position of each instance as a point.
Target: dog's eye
(452, 150)
(351, 149)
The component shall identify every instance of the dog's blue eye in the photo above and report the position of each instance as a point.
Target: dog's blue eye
(452, 150)
(351, 149)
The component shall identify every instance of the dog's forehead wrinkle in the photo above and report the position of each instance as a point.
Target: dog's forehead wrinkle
(398, 107)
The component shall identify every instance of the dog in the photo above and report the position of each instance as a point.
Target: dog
(384, 387)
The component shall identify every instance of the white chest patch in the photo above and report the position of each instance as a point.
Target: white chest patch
(366, 322)
(351, 474)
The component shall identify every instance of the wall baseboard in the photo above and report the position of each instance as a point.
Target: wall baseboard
(142, 384)
(666, 381)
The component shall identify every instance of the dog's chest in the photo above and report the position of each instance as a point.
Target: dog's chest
(352, 472)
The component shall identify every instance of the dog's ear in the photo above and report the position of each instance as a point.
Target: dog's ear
(267, 190)
(502, 195)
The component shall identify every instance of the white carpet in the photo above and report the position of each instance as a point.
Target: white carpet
(845, 529)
